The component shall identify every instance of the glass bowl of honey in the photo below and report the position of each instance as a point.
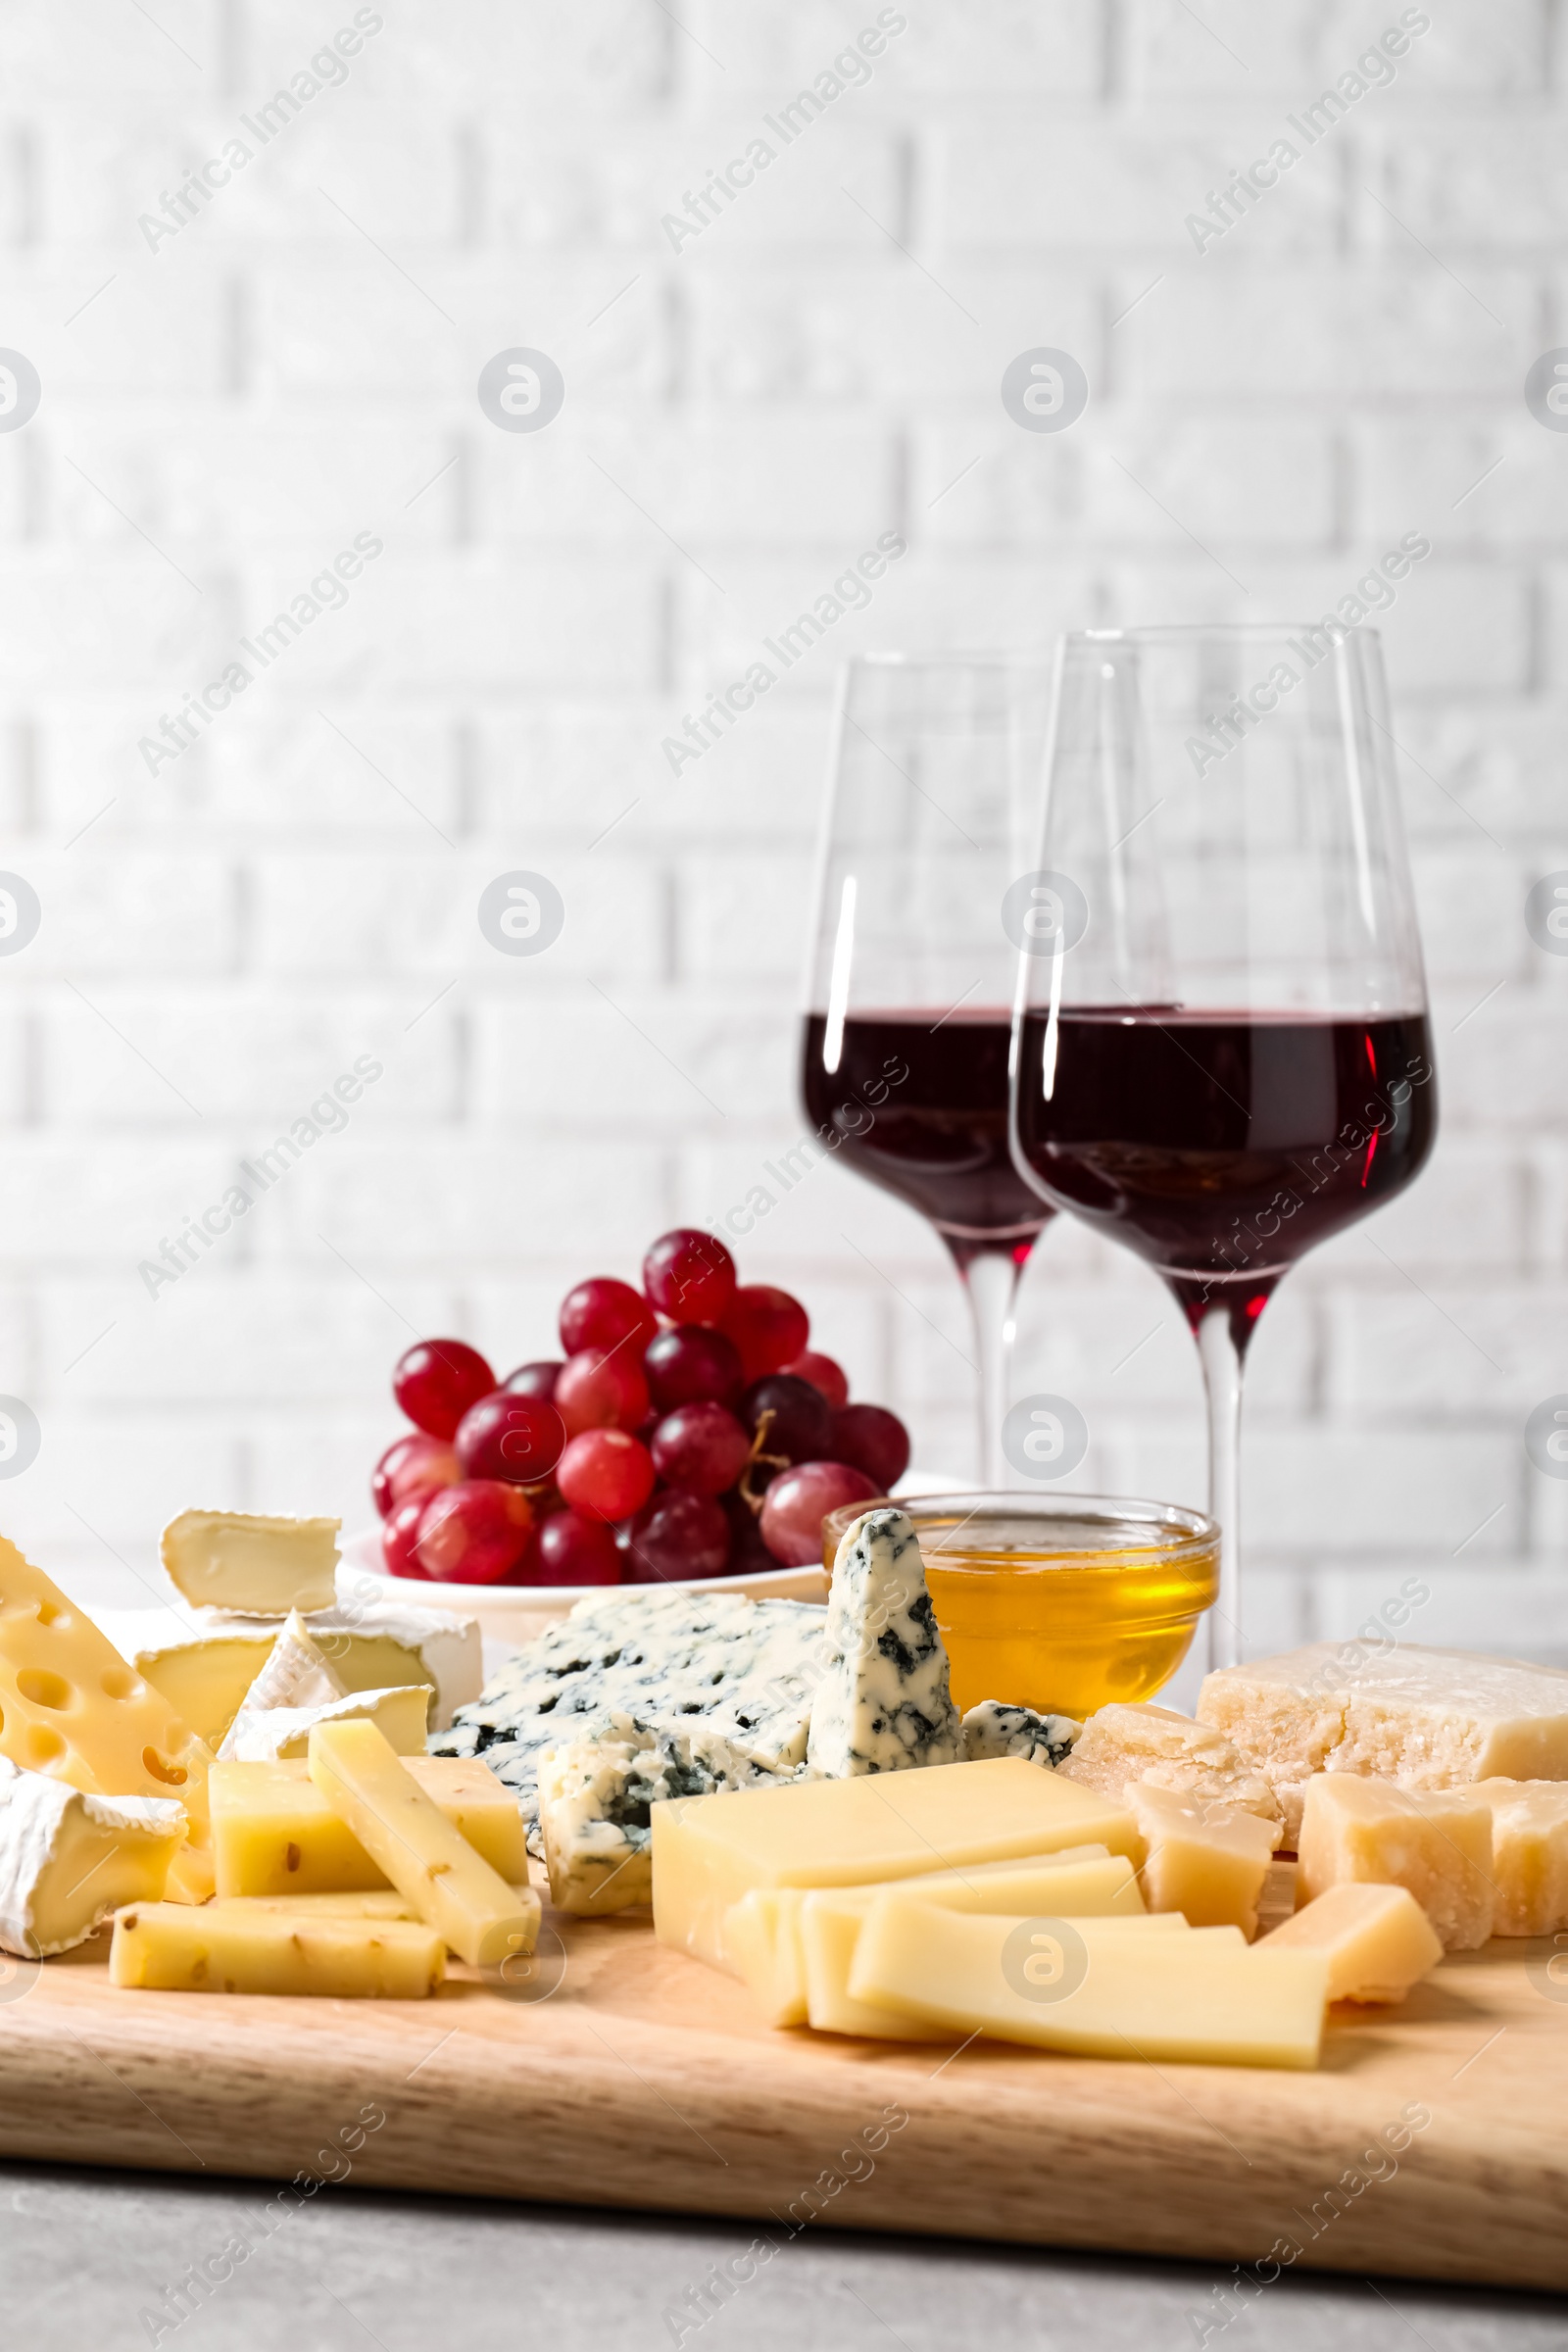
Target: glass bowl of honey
(1059, 1602)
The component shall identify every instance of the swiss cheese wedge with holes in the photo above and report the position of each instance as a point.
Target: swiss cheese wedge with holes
(71, 1707)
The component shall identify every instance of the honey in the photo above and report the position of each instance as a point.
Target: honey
(1062, 1602)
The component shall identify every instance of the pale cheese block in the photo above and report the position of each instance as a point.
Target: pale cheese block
(710, 1850)
(73, 1708)
(1435, 1841)
(1126, 1743)
(883, 1702)
(762, 1935)
(1426, 1718)
(260, 1734)
(1198, 1997)
(1378, 1939)
(484, 1920)
(245, 1560)
(68, 1859)
(1529, 1855)
(166, 1947)
(275, 1833)
(1207, 1860)
(295, 1675)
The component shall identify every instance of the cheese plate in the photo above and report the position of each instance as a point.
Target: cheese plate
(618, 2072)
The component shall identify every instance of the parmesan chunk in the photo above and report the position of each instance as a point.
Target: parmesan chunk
(1529, 1854)
(1437, 1843)
(1426, 1718)
(1123, 1743)
(1206, 1861)
(1378, 1939)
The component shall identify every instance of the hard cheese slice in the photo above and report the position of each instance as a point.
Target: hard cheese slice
(1529, 1854)
(372, 1902)
(1437, 1843)
(1206, 1859)
(164, 1947)
(710, 1850)
(1426, 1718)
(275, 1833)
(72, 1707)
(68, 1859)
(762, 1935)
(1203, 1996)
(242, 1560)
(483, 1920)
(883, 1702)
(1378, 1940)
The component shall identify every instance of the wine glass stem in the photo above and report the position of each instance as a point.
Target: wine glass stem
(1221, 1359)
(990, 1280)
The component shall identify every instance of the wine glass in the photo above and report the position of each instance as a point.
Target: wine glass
(1221, 1049)
(933, 799)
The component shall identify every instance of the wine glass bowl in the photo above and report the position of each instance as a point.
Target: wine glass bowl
(1232, 1062)
(934, 777)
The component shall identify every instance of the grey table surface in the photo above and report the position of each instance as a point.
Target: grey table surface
(88, 2259)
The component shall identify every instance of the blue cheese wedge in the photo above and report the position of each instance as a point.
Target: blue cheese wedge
(994, 1729)
(743, 1671)
(883, 1702)
(595, 1797)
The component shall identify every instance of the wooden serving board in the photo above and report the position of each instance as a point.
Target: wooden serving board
(626, 2076)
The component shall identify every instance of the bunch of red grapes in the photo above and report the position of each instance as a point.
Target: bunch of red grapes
(688, 1431)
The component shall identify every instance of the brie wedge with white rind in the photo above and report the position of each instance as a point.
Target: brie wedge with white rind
(68, 1859)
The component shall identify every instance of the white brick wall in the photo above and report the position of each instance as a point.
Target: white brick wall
(298, 364)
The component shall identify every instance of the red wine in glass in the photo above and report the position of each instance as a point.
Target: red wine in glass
(939, 1139)
(1222, 1147)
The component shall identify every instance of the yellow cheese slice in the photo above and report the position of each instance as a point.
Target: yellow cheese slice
(484, 1921)
(1378, 1940)
(1435, 1842)
(761, 1934)
(1205, 1858)
(204, 1676)
(1199, 1997)
(275, 1833)
(710, 1850)
(830, 1924)
(166, 1947)
(242, 1560)
(72, 1707)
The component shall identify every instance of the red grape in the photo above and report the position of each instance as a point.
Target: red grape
(603, 1310)
(769, 1327)
(437, 1379)
(511, 1437)
(749, 1555)
(534, 1380)
(604, 1474)
(800, 1500)
(597, 1391)
(677, 1536)
(874, 1440)
(800, 1422)
(702, 1447)
(472, 1533)
(822, 1373)
(399, 1533)
(690, 1276)
(569, 1549)
(412, 1465)
(691, 1365)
